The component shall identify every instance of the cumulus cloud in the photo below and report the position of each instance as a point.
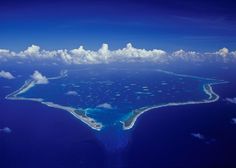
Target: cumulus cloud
(231, 100)
(182, 53)
(32, 50)
(72, 93)
(105, 55)
(186, 55)
(82, 56)
(104, 50)
(223, 52)
(39, 78)
(135, 54)
(233, 53)
(105, 106)
(130, 51)
(179, 53)
(6, 75)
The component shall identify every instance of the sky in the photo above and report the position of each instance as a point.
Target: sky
(203, 25)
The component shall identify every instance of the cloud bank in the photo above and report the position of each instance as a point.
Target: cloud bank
(39, 78)
(6, 75)
(105, 55)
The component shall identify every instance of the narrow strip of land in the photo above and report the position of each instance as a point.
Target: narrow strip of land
(207, 88)
(78, 113)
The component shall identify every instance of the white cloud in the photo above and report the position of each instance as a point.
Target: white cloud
(34, 51)
(72, 93)
(104, 50)
(179, 53)
(187, 55)
(231, 100)
(6, 75)
(5, 130)
(82, 56)
(105, 106)
(223, 52)
(6, 53)
(104, 55)
(39, 78)
(233, 53)
(182, 53)
(31, 51)
(131, 53)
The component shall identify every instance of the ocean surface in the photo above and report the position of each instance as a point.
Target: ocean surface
(47, 137)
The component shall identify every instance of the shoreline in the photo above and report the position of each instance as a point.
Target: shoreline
(207, 88)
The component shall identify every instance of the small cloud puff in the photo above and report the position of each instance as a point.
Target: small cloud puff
(203, 138)
(72, 93)
(105, 106)
(233, 120)
(198, 136)
(39, 78)
(6, 75)
(6, 130)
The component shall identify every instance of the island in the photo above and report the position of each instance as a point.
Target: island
(116, 98)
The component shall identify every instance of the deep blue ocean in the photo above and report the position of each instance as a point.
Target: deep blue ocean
(52, 138)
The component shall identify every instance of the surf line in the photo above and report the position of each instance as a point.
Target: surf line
(78, 113)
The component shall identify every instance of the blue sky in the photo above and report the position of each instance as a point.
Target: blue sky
(202, 25)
